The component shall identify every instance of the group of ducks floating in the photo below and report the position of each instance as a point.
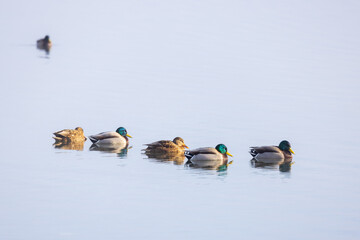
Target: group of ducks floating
(200, 157)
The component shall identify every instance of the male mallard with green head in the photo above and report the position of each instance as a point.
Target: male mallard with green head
(119, 137)
(70, 135)
(166, 146)
(270, 154)
(208, 156)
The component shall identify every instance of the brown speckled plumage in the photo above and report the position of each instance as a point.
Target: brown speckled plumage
(70, 135)
(166, 146)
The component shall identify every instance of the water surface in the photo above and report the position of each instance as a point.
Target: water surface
(238, 73)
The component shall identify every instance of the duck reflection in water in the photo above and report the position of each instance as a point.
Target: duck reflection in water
(44, 44)
(120, 150)
(284, 165)
(176, 158)
(70, 139)
(166, 150)
(79, 146)
(209, 158)
(219, 166)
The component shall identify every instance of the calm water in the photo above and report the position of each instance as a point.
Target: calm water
(212, 72)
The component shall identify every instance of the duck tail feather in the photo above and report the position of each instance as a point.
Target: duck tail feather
(253, 152)
(92, 139)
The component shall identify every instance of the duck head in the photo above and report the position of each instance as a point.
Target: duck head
(122, 131)
(285, 146)
(222, 149)
(79, 129)
(47, 39)
(180, 142)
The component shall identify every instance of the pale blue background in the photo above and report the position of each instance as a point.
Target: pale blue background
(235, 72)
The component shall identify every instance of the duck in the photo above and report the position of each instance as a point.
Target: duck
(208, 156)
(272, 154)
(105, 139)
(44, 43)
(177, 145)
(70, 135)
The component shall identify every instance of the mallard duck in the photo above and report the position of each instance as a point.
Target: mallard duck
(208, 156)
(166, 146)
(70, 135)
(119, 137)
(44, 43)
(272, 154)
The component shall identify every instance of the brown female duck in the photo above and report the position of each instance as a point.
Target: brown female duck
(70, 135)
(166, 146)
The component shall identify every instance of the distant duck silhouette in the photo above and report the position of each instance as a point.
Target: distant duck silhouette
(108, 139)
(44, 43)
(272, 154)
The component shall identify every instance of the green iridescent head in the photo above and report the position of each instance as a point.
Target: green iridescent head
(122, 131)
(285, 146)
(222, 149)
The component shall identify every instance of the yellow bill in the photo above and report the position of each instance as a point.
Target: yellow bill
(229, 154)
(128, 135)
(291, 151)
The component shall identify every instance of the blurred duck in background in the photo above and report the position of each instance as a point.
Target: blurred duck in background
(44, 43)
